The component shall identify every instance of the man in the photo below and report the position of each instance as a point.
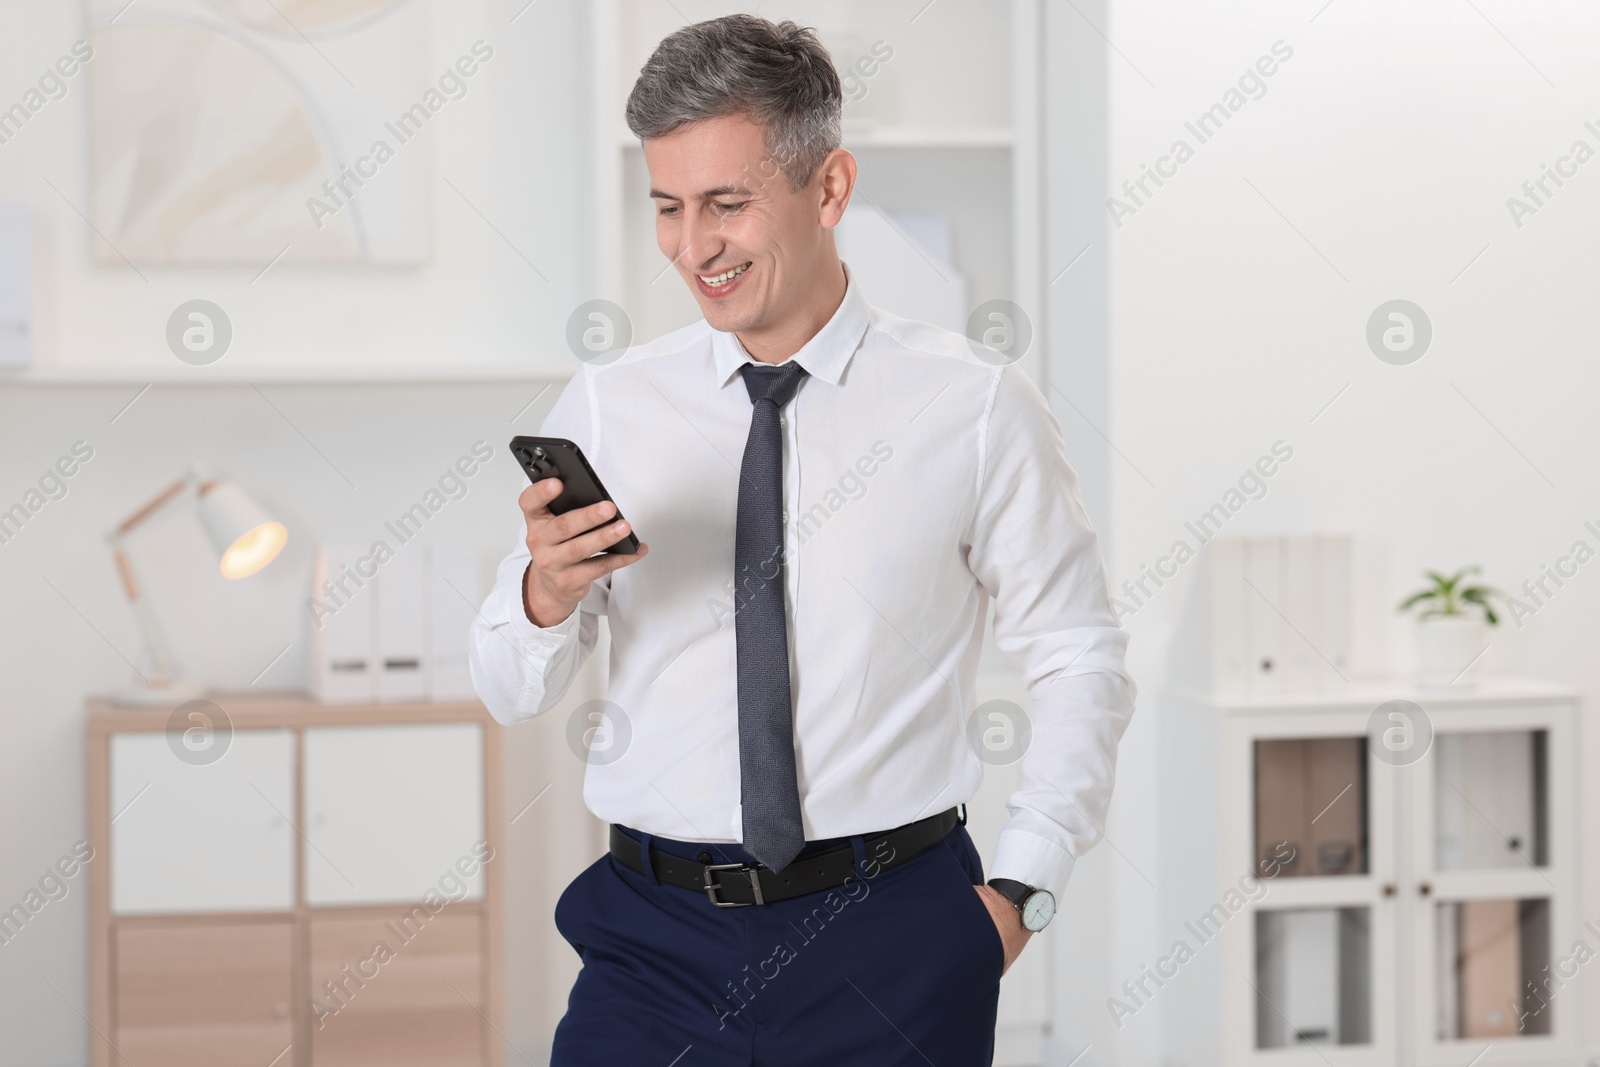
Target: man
(831, 496)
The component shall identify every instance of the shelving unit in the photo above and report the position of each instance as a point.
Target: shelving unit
(236, 903)
(1408, 892)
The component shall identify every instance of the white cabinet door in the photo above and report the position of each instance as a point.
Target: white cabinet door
(393, 812)
(188, 837)
(1492, 898)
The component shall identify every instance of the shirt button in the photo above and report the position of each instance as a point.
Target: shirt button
(785, 516)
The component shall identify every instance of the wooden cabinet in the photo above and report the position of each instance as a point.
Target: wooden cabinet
(203, 994)
(1377, 875)
(398, 994)
(318, 888)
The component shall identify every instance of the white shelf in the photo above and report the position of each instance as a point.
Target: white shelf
(440, 372)
(1368, 693)
(906, 137)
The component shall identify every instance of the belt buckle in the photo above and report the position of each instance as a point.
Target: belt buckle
(745, 869)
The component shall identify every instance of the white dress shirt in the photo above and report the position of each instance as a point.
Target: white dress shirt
(919, 481)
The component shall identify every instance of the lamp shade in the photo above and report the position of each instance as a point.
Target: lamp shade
(241, 532)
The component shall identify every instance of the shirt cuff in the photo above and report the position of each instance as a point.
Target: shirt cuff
(1032, 860)
(503, 608)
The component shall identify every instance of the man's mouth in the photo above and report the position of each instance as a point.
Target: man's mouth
(718, 285)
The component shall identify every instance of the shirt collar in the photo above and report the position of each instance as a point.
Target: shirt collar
(824, 356)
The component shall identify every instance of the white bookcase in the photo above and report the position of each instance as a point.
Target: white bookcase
(950, 126)
(1434, 875)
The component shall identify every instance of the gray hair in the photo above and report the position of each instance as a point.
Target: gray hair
(777, 73)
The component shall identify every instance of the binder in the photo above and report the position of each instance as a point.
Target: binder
(1279, 613)
(1303, 665)
(1264, 629)
(343, 627)
(1335, 595)
(402, 672)
(1228, 671)
(454, 593)
(16, 289)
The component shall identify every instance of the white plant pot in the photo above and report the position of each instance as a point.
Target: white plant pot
(1448, 647)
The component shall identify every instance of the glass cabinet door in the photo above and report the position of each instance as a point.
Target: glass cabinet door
(1320, 932)
(1492, 891)
(1311, 806)
(1491, 956)
(1313, 977)
(1490, 799)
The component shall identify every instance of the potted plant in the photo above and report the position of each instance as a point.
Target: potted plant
(1453, 616)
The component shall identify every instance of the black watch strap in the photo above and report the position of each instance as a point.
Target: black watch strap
(1011, 889)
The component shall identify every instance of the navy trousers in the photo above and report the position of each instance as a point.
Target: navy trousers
(900, 966)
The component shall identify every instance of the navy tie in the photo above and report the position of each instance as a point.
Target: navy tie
(768, 786)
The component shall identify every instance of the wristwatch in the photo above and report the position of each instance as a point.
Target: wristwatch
(1036, 906)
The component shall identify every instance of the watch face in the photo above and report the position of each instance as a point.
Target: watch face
(1038, 910)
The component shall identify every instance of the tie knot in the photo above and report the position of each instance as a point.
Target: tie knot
(775, 383)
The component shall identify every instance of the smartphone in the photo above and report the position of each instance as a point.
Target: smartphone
(556, 457)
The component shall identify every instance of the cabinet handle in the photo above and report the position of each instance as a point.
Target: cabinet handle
(1425, 888)
(1389, 889)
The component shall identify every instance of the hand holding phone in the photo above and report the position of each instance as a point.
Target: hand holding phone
(575, 532)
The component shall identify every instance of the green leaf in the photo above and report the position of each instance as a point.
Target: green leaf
(1417, 598)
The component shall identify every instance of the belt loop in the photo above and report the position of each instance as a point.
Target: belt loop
(644, 857)
(858, 849)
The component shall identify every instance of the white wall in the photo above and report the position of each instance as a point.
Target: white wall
(1390, 141)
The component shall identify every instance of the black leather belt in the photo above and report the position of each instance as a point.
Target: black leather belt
(757, 884)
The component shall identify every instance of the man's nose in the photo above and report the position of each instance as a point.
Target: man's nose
(699, 241)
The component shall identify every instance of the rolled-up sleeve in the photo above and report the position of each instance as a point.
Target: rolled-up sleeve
(520, 669)
(1032, 548)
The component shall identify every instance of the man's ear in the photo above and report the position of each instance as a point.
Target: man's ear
(836, 179)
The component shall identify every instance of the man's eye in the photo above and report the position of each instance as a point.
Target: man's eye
(667, 209)
(735, 206)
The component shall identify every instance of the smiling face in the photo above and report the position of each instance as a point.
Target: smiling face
(758, 256)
